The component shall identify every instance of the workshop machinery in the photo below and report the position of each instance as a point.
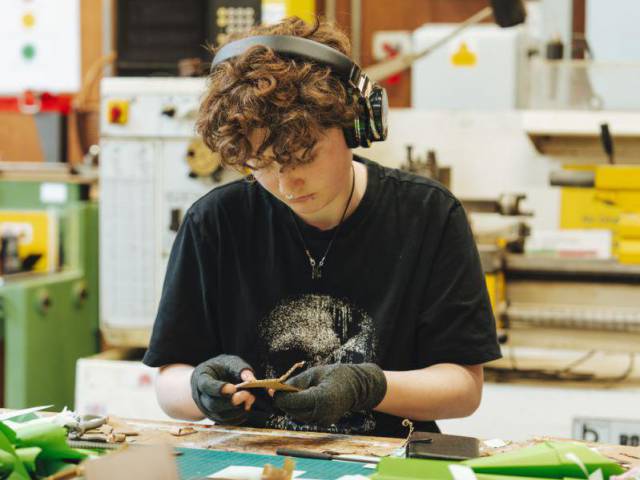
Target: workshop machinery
(152, 168)
(572, 301)
(570, 297)
(495, 241)
(48, 313)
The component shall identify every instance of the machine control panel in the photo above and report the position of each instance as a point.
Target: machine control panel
(152, 169)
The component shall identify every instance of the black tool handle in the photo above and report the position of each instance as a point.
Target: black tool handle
(290, 452)
(607, 141)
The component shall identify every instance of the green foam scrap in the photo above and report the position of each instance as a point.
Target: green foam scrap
(18, 470)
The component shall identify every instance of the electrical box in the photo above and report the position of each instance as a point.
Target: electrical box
(481, 69)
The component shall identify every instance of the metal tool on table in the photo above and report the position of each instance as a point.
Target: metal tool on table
(292, 452)
(81, 425)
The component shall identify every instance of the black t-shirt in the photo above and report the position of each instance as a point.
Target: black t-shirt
(402, 286)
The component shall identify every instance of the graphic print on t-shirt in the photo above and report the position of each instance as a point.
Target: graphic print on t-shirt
(320, 330)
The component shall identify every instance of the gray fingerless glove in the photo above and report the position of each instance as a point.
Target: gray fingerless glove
(207, 381)
(330, 391)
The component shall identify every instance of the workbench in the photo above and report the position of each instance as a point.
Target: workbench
(253, 440)
(265, 442)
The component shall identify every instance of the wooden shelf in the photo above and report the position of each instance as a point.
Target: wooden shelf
(575, 135)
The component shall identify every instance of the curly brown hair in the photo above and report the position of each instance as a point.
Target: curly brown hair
(291, 100)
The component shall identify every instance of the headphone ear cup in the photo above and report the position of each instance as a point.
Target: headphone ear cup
(350, 137)
(359, 135)
(364, 127)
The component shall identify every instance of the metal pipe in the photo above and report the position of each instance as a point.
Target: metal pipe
(330, 10)
(356, 30)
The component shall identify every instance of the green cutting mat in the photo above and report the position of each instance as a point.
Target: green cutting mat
(197, 463)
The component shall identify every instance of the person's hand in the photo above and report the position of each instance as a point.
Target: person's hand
(214, 391)
(330, 391)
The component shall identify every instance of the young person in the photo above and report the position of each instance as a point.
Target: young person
(368, 274)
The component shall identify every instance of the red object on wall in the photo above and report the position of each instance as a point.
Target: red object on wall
(114, 114)
(391, 52)
(31, 103)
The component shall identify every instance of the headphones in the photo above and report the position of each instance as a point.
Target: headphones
(370, 125)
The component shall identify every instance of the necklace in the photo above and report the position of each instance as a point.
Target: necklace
(316, 267)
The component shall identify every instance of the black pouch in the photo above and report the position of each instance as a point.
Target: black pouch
(442, 447)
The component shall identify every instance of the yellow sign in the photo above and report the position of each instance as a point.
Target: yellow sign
(464, 57)
(37, 235)
(275, 10)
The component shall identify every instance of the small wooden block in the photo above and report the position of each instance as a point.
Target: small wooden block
(273, 384)
(182, 431)
(276, 384)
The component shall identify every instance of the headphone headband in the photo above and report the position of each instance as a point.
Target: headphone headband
(291, 46)
(370, 125)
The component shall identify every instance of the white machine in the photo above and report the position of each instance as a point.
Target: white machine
(152, 168)
(481, 69)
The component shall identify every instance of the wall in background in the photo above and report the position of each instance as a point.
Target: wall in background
(612, 29)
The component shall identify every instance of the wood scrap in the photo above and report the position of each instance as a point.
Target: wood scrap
(116, 438)
(182, 431)
(69, 473)
(269, 472)
(277, 384)
(93, 437)
(97, 436)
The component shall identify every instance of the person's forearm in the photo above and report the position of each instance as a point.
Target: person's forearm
(444, 390)
(173, 390)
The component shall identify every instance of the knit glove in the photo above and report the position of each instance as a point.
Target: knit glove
(207, 381)
(330, 391)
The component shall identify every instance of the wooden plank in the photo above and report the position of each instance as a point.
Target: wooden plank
(92, 50)
(19, 141)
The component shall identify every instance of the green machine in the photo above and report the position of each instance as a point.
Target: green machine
(48, 313)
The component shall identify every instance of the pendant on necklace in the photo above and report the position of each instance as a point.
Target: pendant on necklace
(315, 269)
(316, 273)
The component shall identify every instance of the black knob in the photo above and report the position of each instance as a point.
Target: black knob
(169, 111)
(176, 219)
